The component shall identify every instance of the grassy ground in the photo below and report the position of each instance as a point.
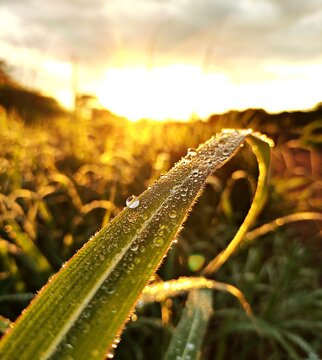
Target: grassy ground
(61, 182)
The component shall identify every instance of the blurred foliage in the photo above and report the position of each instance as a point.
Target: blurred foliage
(31, 106)
(60, 183)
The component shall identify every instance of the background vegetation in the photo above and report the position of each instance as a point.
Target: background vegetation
(62, 178)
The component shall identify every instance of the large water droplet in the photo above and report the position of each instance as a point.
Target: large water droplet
(132, 202)
(173, 214)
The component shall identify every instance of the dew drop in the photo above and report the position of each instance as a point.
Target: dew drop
(192, 152)
(132, 202)
(134, 317)
(110, 290)
(173, 214)
(158, 241)
(190, 346)
(135, 247)
(110, 355)
(279, 222)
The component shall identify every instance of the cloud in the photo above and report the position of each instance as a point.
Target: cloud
(226, 34)
(64, 29)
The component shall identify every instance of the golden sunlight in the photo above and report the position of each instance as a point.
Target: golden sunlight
(179, 91)
(172, 92)
(57, 68)
(66, 98)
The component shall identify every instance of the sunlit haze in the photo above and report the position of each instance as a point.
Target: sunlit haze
(181, 91)
(199, 58)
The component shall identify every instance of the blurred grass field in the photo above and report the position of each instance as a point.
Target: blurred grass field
(63, 180)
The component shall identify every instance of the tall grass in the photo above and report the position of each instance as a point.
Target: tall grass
(61, 183)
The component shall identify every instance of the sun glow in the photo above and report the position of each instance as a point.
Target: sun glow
(57, 68)
(66, 98)
(180, 91)
(172, 92)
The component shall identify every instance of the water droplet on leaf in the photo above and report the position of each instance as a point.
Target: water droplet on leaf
(158, 241)
(134, 246)
(190, 346)
(132, 202)
(192, 152)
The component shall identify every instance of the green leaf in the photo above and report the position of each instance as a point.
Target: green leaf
(81, 310)
(263, 329)
(20, 297)
(4, 324)
(303, 344)
(188, 336)
(260, 145)
(162, 290)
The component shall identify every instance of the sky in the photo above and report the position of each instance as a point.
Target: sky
(166, 59)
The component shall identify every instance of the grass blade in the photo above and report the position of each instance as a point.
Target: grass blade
(84, 306)
(302, 344)
(187, 340)
(162, 290)
(4, 324)
(261, 148)
(274, 225)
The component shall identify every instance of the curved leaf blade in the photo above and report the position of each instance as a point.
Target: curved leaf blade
(83, 307)
(260, 146)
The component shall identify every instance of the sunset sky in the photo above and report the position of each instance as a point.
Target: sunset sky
(168, 58)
